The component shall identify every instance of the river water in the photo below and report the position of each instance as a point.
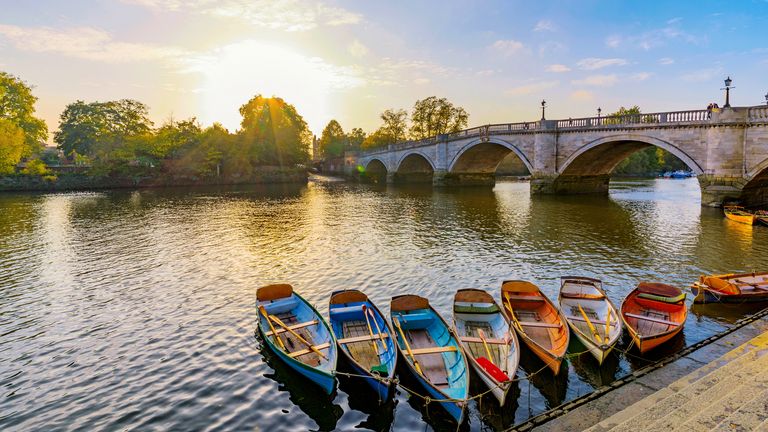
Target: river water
(134, 310)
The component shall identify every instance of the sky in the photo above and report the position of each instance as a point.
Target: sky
(351, 60)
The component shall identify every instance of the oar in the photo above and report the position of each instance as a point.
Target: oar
(271, 327)
(297, 336)
(589, 323)
(485, 345)
(378, 329)
(407, 345)
(608, 325)
(370, 331)
(512, 313)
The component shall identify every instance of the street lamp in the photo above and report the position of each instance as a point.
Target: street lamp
(598, 112)
(543, 105)
(727, 89)
(766, 98)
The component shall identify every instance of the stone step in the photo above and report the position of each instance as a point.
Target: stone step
(709, 415)
(660, 404)
(750, 416)
(711, 390)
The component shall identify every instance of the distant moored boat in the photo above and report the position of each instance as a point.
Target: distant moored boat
(731, 288)
(739, 214)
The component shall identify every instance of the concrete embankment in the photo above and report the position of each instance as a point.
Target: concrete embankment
(720, 383)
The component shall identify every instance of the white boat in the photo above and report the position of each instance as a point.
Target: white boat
(487, 339)
(590, 314)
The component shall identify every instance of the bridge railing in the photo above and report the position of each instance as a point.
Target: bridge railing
(665, 117)
(758, 113)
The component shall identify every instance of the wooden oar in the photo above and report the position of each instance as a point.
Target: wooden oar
(485, 344)
(370, 331)
(378, 329)
(271, 327)
(608, 325)
(297, 336)
(512, 313)
(407, 345)
(589, 323)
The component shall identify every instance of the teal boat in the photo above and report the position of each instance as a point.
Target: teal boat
(431, 352)
(365, 339)
(297, 333)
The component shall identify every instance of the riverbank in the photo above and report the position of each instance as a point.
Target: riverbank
(75, 182)
(704, 385)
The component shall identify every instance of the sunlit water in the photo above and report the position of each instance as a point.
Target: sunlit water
(135, 310)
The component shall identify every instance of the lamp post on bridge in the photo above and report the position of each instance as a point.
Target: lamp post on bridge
(766, 98)
(543, 105)
(727, 89)
(598, 112)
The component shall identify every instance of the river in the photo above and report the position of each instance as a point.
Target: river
(134, 310)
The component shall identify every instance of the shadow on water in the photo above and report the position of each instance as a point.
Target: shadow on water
(309, 398)
(381, 414)
(433, 414)
(726, 313)
(552, 387)
(488, 408)
(587, 367)
(639, 361)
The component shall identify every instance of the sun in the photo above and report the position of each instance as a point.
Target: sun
(231, 75)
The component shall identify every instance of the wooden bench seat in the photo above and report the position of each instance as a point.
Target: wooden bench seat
(524, 297)
(593, 321)
(538, 324)
(432, 350)
(307, 350)
(478, 340)
(363, 338)
(293, 327)
(656, 320)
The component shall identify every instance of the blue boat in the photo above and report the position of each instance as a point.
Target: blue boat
(364, 337)
(431, 352)
(297, 333)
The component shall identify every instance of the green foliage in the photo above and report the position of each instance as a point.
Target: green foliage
(17, 105)
(173, 137)
(98, 128)
(355, 138)
(393, 130)
(433, 116)
(333, 140)
(12, 146)
(274, 132)
(36, 167)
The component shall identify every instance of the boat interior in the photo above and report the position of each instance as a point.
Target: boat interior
(475, 313)
(737, 284)
(649, 315)
(280, 301)
(539, 319)
(588, 310)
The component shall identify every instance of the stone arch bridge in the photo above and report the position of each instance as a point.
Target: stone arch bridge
(727, 150)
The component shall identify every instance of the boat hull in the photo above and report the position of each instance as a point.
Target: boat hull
(455, 409)
(702, 295)
(645, 344)
(498, 391)
(661, 305)
(600, 353)
(382, 388)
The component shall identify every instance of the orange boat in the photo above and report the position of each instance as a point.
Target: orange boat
(739, 214)
(653, 314)
(731, 288)
(762, 217)
(538, 322)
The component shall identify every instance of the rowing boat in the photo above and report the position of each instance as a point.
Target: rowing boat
(590, 314)
(365, 339)
(762, 217)
(537, 321)
(739, 214)
(653, 313)
(731, 288)
(297, 333)
(431, 352)
(487, 339)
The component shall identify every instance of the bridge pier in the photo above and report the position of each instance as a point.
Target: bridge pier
(570, 184)
(442, 178)
(716, 190)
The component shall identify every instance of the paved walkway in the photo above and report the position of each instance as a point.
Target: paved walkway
(693, 393)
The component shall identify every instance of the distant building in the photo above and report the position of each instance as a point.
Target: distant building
(315, 149)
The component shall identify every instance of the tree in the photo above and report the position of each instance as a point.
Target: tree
(36, 167)
(12, 146)
(95, 129)
(332, 140)
(395, 124)
(173, 137)
(17, 105)
(433, 116)
(274, 131)
(377, 139)
(355, 138)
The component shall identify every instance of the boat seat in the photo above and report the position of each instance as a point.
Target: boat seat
(281, 305)
(433, 350)
(582, 296)
(415, 320)
(656, 320)
(593, 321)
(363, 338)
(524, 297)
(293, 327)
(301, 352)
(538, 324)
(346, 313)
(478, 340)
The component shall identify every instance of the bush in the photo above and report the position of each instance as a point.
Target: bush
(36, 167)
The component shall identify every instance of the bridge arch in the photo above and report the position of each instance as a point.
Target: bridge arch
(600, 157)
(414, 167)
(483, 155)
(375, 171)
(755, 191)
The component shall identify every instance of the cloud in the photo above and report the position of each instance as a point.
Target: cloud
(613, 41)
(422, 81)
(558, 68)
(597, 81)
(551, 48)
(702, 75)
(640, 76)
(288, 15)
(544, 25)
(532, 88)
(485, 72)
(395, 72)
(84, 42)
(582, 96)
(508, 47)
(655, 37)
(594, 63)
(666, 61)
(357, 49)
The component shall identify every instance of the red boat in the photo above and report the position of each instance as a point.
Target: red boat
(653, 314)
